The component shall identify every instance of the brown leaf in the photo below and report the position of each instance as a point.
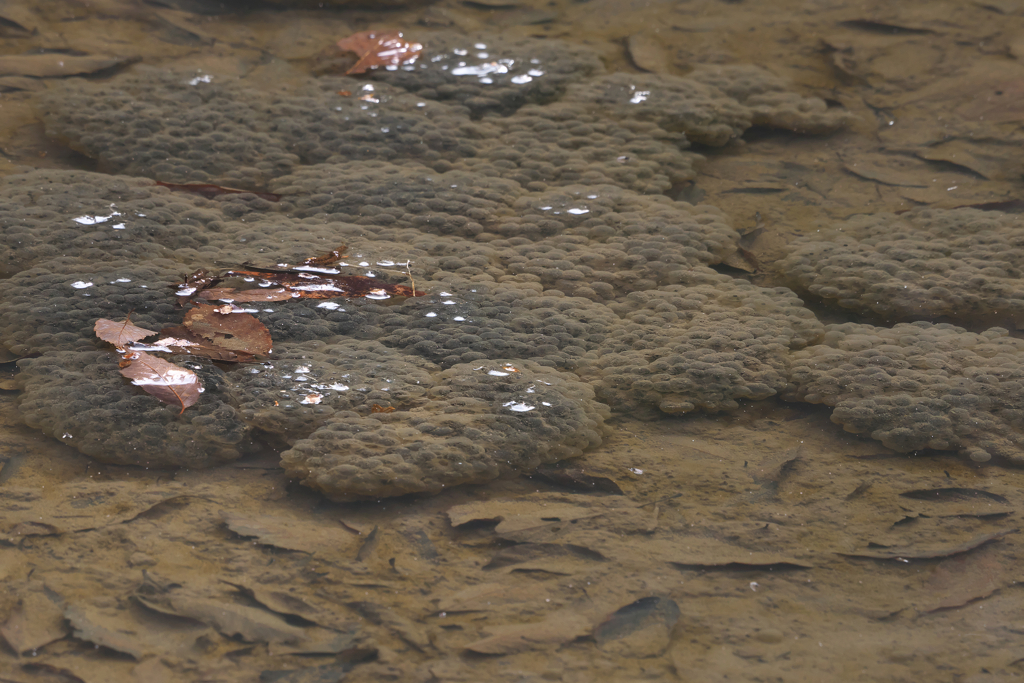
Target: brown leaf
(325, 260)
(326, 285)
(244, 296)
(926, 553)
(56, 64)
(558, 628)
(120, 334)
(290, 533)
(35, 621)
(166, 381)
(379, 48)
(232, 331)
(210, 191)
(195, 283)
(180, 339)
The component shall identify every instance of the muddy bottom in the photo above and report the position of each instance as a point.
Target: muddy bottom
(765, 544)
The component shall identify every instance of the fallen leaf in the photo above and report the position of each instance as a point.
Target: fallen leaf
(53, 64)
(706, 553)
(323, 285)
(379, 48)
(576, 479)
(77, 506)
(960, 580)
(165, 381)
(251, 624)
(642, 628)
(926, 553)
(290, 534)
(120, 334)
(35, 621)
(325, 260)
(559, 628)
(244, 296)
(180, 339)
(92, 630)
(233, 331)
(210, 191)
(194, 283)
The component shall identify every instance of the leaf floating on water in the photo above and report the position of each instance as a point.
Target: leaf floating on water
(232, 331)
(379, 48)
(165, 381)
(120, 334)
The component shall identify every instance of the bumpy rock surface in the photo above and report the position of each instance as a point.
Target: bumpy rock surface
(491, 74)
(712, 105)
(963, 265)
(557, 286)
(920, 385)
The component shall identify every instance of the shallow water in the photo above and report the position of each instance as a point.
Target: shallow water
(741, 548)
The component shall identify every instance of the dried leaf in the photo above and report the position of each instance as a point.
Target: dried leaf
(120, 334)
(558, 628)
(165, 381)
(379, 48)
(233, 331)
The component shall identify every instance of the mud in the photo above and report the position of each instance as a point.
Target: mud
(761, 544)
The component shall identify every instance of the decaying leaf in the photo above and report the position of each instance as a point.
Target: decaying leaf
(53, 64)
(210, 191)
(180, 339)
(90, 629)
(166, 381)
(327, 260)
(321, 285)
(379, 48)
(77, 506)
(927, 553)
(244, 296)
(640, 629)
(120, 334)
(291, 534)
(35, 621)
(558, 628)
(233, 331)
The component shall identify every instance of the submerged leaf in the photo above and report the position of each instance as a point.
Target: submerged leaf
(180, 339)
(379, 48)
(165, 381)
(120, 334)
(232, 331)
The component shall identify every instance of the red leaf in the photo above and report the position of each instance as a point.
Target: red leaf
(232, 331)
(379, 48)
(166, 381)
(120, 334)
